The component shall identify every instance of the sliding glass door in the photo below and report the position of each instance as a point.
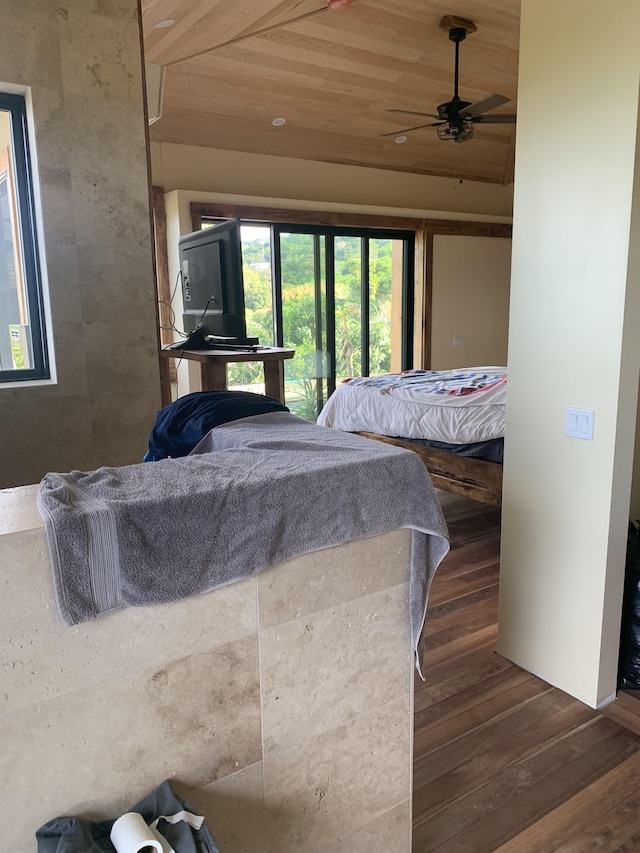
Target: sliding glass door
(302, 320)
(341, 297)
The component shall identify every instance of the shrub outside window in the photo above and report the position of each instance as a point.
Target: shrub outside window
(23, 352)
(341, 296)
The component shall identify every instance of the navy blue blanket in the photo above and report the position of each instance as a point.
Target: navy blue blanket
(182, 424)
(491, 450)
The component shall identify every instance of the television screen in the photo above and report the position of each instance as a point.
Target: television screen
(212, 284)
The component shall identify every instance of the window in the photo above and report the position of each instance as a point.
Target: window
(23, 353)
(340, 296)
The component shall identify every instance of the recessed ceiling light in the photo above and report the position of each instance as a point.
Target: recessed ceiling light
(400, 139)
(278, 122)
(162, 24)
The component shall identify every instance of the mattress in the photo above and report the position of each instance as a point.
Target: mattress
(461, 406)
(490, 451)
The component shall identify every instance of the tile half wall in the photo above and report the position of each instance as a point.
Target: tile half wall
(279, 706)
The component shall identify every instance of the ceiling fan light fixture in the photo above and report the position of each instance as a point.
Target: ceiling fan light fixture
(400, 139)
(278, 122)
(456, 132)
(169, 22)
(456, 118)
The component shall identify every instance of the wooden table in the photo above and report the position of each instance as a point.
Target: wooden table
(213, 366)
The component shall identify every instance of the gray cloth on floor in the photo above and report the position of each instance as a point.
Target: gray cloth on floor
(78, 835)
(253, 493)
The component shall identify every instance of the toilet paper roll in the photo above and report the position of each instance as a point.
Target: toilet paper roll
(130, 834)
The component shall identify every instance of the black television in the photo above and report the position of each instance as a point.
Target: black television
(212, 283)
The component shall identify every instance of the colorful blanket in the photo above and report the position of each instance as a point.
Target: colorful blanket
(461, 406)
(453, 383)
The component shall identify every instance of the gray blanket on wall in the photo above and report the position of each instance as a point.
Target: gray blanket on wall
(253, 493)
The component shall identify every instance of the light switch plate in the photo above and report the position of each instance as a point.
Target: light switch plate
(579, 423)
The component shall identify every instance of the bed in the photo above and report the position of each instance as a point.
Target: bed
(454, 420)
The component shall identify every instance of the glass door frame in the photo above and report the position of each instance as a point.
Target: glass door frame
(424, 229)
(330, 233)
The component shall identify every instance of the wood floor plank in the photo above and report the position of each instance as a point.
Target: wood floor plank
(443, 747)
(482, 576)
(632, 845)
(558, 716)
(449, 611)
(571, 817)
(463, 678)
(466, 529)
(607, 833)
(459, 587)
(531, 788)
(504, 763)
(625, 711)
(468, 654)
(462, 702)
(471, 621)
(476, 555)
(460, 648)
(481, 741)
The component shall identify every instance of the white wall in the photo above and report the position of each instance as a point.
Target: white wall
(261, 176)
(179, 223)
(573, 341)
(471, 279)
(5, 132)
(635, 485)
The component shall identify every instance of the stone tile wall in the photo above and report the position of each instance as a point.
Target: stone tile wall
(279, 706)
(81, 60)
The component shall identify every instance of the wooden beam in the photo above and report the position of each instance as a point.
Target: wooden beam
(464, 475)
(163, 287)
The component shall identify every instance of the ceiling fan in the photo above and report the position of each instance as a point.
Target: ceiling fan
(456, 118)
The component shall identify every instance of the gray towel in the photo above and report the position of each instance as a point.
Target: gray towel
(253, 493)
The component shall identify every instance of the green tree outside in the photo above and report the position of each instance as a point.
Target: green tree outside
(299, 314)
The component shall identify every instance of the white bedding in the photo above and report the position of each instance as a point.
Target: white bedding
(455, 406)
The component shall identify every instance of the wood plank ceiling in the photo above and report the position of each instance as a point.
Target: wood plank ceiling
(232, 66)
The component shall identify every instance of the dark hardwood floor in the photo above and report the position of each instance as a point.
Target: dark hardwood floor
(502, 761)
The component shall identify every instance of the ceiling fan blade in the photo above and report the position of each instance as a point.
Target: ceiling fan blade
(418, 127)
(501, 118)
(489, 103)
(411, 113)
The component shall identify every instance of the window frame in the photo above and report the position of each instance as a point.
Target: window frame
(15, 105)
(330, 233)
(424, 229)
